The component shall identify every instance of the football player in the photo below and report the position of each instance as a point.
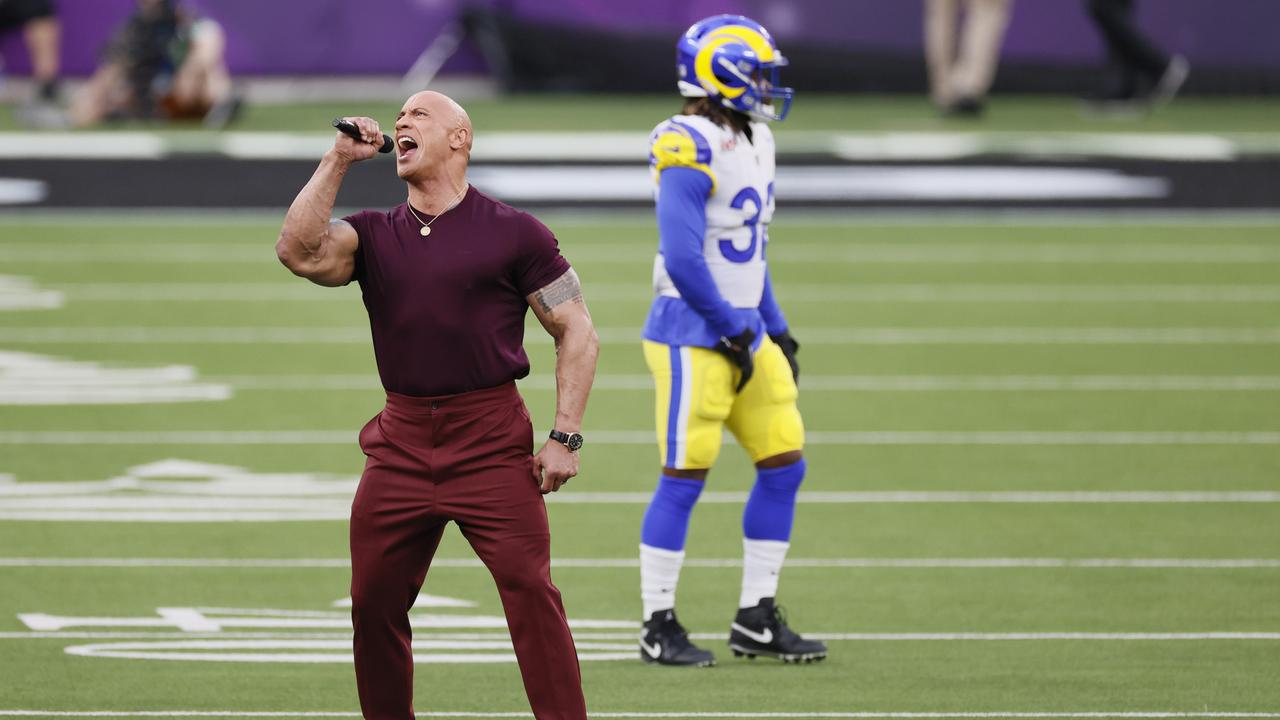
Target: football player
(716, 341)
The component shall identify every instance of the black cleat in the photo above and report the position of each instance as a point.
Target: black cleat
(762, 630)
(665, 642)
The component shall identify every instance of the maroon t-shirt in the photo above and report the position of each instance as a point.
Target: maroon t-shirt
(447, 310)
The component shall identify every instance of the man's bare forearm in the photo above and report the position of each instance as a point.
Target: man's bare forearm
(576, 353)
(560, 308)
(306, 225)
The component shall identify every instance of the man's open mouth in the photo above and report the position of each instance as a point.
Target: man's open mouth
(405, 146)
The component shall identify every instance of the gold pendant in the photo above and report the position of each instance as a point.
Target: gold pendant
(425, 231)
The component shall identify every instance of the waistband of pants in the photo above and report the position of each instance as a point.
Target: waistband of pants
(460, 402)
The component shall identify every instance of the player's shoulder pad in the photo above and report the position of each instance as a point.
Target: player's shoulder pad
(682, 141)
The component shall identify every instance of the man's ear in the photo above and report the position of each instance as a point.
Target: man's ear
(458, 139)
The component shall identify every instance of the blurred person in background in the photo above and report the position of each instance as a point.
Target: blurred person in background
(163, 63)
(716, 340)
(41, 31)
(1139, 74)
(962, 53)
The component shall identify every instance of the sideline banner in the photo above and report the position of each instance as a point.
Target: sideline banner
(333, 37)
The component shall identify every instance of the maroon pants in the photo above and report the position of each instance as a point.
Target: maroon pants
(465, 458)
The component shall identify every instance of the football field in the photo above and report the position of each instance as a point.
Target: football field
(1044, 476)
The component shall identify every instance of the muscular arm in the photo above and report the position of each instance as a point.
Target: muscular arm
(562, 311)
(313, 245)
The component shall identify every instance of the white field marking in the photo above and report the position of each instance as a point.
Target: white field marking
(31, 379)
(209, 620)
(986, 293)
(646, 437)
(976, 254)
(1022, 383)
(359, 335)
(921, 293)
(627, 563)
(85, 145)
(288, 635)
(521, 183)
(498, 649)
(952, 496)
(1028, 252)
(251, 508)
(711, 715)
(422, 601)
(345, 637)
(177, 490)
(859, 383)
(1023, 636)
(998, 437)
(494, 650)
(1157, 218)
(793, 292)
(19, 293)
(207, 292)
(626, 146)
(206, 622)
(950, 146)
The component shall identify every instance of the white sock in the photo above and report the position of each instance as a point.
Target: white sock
(761, 564)
(659, 574)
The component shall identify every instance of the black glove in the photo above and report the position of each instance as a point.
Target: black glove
(789, 348)
(738, 350)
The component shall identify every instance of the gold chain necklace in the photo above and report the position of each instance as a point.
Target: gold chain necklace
(426, 226)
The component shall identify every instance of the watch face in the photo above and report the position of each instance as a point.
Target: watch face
(574, 442)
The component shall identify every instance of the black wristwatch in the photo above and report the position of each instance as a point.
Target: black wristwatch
(573, 441)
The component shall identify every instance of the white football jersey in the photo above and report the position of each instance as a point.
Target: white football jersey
(739, 209)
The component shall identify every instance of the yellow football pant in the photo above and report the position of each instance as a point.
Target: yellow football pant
(696, 400)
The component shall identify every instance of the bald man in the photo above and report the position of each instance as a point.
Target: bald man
(447, 278)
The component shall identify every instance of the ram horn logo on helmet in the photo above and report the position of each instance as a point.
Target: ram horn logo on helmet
(733, 59)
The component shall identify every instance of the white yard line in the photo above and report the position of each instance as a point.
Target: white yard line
(627, 563)
(707, 715)
(178, 217)
(607, 636)
(336, 506)
(955, 496)
(910, 253)
(1023, 636)
(791, 292)
(1041, 438)
(646, 437)
(808, 381)
(359, 335)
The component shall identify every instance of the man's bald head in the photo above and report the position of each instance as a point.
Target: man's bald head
(440, 130)
(443, 106)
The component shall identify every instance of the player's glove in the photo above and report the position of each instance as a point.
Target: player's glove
(738, 350)
(789, 348)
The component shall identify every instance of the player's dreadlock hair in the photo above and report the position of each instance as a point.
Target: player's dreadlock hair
(719, 114)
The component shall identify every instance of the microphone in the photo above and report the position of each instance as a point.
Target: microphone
(353, 132)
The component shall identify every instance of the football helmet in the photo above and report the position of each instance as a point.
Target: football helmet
(733, 59)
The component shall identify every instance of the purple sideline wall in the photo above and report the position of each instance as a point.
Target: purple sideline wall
(334, 37)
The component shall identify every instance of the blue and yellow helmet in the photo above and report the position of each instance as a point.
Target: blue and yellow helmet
(733, 59)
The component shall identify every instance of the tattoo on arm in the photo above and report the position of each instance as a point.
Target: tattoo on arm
(566, 288)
